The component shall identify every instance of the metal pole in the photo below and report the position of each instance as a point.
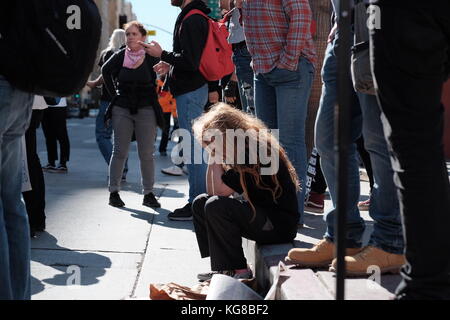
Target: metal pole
(342, 141)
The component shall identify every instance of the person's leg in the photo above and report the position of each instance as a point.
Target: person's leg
(319, 185)
(165, 133)
(48, 127)
(265, 101)
(324, 142)
(409, 90)
(362, 149)
(292, 94)
(245, 75)
(15, 110)
(189, 107)
(103, 134)
(227, 221)
(35, 198)
(145, 129)
(62, 135)
(123, 128)
(384, 206)
(199, 220)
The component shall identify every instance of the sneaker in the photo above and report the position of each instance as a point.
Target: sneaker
(321, 255)
(315, 203)
(61, 169)
(173, 171)
(115, 201)
(364, 205)
(231, 273)
(181, 214)
(163, 153)
(150, 201)
(48, 168)
(358, 265)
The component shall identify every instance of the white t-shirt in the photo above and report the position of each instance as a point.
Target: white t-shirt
(62, 103)
(39, 103)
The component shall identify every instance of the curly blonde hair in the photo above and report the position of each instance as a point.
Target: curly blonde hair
(223, 117)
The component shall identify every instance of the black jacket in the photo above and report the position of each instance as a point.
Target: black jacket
(110, 73)
(188, 45)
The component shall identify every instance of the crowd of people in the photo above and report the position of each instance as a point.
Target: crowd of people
(396, 129)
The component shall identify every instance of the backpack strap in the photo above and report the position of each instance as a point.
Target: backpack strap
(191, 13)
(195, 11)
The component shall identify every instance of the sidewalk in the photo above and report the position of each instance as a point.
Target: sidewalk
(117, 253)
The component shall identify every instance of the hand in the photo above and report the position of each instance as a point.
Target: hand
(153, 48)
(230, 91)
(91, 84)
(332, 33)
(213, 97)
(161, 68)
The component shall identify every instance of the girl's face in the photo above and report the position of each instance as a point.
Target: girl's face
(133, 36)
(238, 3)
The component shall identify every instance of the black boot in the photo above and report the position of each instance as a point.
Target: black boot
(150, 201)
(115, 201)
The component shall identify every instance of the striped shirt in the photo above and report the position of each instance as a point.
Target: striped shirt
(278, 33)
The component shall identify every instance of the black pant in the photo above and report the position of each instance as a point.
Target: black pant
(319, 185)
(411, 55)
(165, 134)
(221, 222)
(365, 157)
(34, 199)
(55, 129)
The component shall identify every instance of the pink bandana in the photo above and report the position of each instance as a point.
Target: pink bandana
(132, 57)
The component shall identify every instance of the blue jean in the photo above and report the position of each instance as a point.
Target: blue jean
(244, 73)
(365, 119)
(189, 107)
(281, 101)
(103, 134)
(15, 110)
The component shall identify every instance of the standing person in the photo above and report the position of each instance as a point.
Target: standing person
(267, 211)
(103, 133)
(54, 125)
(280, 42)
(188, 86)
(15, 252)
(129, 72)
(241, 58)
(35, 198)
(386, 245)
(411, 61)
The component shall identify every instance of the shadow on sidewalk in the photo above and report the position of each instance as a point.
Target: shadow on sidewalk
(68, 264)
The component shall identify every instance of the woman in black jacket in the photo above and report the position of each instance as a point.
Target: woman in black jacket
(128, 75)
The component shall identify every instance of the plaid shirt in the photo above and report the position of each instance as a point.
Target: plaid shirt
(278, 33)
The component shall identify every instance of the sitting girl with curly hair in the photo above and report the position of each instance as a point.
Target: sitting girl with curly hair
(245, 196)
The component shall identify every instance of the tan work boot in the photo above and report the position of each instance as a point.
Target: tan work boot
(320, 255)
(358, 265)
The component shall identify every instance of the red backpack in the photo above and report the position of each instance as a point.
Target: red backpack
(216, 61)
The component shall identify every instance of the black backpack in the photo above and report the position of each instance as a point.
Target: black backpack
(49, 47)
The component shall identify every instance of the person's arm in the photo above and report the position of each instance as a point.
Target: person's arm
(95, 83)
(214, 184)
(300, 19)
(193, 35)
(110, 71)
